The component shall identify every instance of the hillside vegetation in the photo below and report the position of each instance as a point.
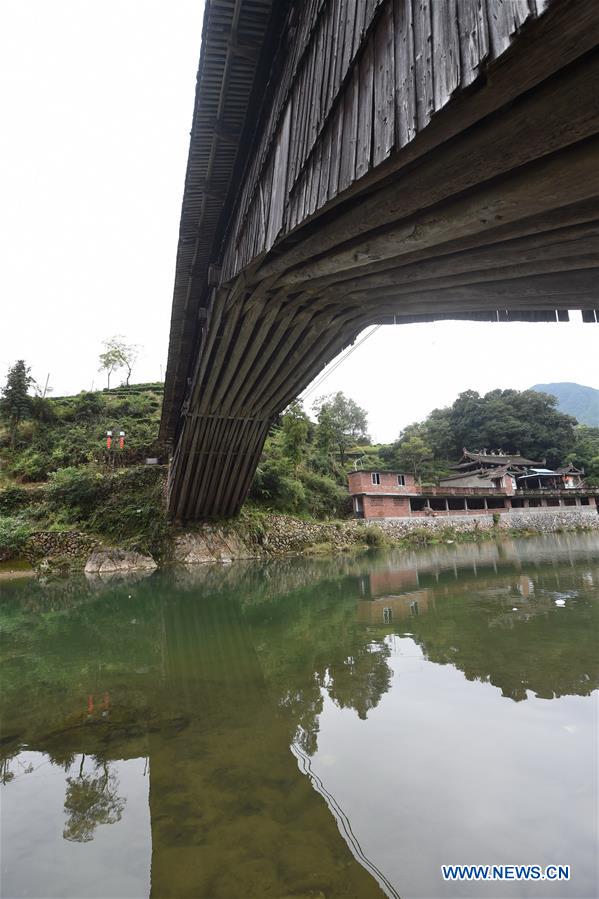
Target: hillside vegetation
(57, 474)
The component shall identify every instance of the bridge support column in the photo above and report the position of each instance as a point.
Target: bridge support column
(210, 479)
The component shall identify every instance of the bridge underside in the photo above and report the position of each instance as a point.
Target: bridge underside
(499, 222)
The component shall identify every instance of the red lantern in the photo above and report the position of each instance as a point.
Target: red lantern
(121, 439)
(108, 439)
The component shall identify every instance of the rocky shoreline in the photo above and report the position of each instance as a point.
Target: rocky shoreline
(283, 534)
(271, 536)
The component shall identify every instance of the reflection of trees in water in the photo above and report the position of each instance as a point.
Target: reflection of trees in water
(355, 681)
(91, 800)
(507, 630)
(361, 679)
(6, 775)
(295, 623)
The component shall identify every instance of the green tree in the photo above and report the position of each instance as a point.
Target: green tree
(413, 454)
(295, 428)
(15, 403)
(118, 354)
(515, 421)
(341, 423)
(586, 452)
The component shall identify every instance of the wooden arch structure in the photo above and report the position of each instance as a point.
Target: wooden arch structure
(368, 161)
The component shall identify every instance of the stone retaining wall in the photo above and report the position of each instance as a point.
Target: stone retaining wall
(543, 520)
(67, 544)
(277, 535)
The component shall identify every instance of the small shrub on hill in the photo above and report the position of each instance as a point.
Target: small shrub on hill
(275, 486)
(30, 466)
(12, 499)
(131, 510)
(14, 533)
(76, 491)
(324, 497)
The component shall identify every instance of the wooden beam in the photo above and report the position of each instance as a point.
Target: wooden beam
(544, 265)
(575, 286)
(564, 223)
(569, 176)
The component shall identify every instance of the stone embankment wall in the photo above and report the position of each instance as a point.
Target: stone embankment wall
(271, 536)
(280, 534)
(551, 520)
(545, 521)
(274, 535)
(68, 544)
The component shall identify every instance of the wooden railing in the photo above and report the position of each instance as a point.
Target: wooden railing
(462, 491)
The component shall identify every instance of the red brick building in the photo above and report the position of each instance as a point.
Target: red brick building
(484, 482)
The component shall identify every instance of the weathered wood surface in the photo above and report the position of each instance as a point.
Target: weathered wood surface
(424, 53)
(404, 161)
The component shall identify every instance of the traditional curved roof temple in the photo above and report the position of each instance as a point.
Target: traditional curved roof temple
(368, 161)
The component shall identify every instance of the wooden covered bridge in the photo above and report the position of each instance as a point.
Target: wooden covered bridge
(368, 161)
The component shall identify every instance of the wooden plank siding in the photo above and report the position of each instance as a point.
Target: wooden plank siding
(387, 161)
(422, 52)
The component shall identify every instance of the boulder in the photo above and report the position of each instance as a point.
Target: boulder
(192, 549)
(118, 561)
(210, 545)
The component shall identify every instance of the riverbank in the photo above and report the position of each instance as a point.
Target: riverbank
(262, 535)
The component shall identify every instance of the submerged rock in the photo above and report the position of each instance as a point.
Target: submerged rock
(116, 561)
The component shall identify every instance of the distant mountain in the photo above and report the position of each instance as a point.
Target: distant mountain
(574, 399)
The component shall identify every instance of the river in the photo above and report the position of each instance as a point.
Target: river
(307, 728)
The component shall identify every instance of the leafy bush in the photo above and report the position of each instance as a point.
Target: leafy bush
(76, 490)
(88, 405)
(324, 497)
(12, 499)
(275, 486)
(31, 466)
(14, 533)
(131, 510)
(375, 536)
(42, 410)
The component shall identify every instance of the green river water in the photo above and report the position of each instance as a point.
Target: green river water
(304, 728)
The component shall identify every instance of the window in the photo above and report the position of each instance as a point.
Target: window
(401, 480)
(376, 478)
(584, 501)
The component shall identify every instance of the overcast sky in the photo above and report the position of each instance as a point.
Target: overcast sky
(95, 114)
